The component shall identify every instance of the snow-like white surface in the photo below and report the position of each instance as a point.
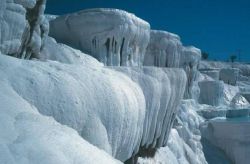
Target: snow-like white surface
(184, 146)
(28, 137)
(239, 102)
(65, 54)
(163, 89)
(244, 67)
(190, 61)
(56, 108)
(112, 36)
(105, 107)
(22, 31)
(50, 17)
(164, 49)
(228, 136)
(229, 92)
(217, 93)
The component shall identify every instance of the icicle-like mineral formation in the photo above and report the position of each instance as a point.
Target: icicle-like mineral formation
(190, 59)
(114, 37)
(164, 49)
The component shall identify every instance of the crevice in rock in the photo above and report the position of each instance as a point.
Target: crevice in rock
(32, 16)
(144, 152)
(107, 44)
(121, 51)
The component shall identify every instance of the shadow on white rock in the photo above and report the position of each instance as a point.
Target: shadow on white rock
(23, 27)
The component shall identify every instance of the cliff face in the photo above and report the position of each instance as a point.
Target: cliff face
(23, 27)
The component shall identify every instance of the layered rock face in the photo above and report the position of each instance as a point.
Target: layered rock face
(164, 49)
(23, 27)
(114, 37)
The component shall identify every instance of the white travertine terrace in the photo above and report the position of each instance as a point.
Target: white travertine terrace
(164, 49)
(163, 89)
(67, 107)
(114, 37)
(190, 59)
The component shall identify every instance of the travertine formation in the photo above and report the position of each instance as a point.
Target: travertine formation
(190, 59)
(213, 73)
(164, 49)
(211, 92)
(23, 27)
(229, 75)
(68, 107)
(114, 37)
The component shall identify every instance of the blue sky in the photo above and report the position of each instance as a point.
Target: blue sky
(219, 27)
